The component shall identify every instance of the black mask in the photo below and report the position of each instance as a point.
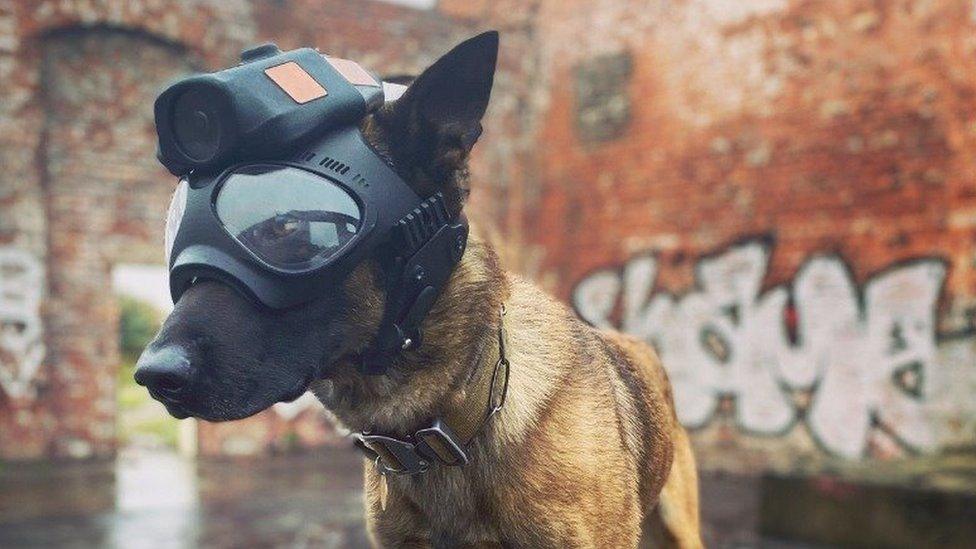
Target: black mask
(281, 196)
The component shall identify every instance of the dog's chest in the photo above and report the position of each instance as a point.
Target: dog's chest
(455, 508)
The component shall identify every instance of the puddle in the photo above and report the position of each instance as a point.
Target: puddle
(159, 499)
(156, 498)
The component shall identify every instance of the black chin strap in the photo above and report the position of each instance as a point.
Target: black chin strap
(448, 438)
(428, 243)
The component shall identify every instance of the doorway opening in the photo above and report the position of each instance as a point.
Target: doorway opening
(142, 423)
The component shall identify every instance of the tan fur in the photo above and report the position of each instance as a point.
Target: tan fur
(585, 448)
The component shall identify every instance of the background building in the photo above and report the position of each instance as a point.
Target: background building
(780, 194)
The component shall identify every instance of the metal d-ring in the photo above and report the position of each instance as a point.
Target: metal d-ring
(493, 407)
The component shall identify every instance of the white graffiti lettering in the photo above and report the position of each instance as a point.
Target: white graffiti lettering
(862, 356)
(21, 342)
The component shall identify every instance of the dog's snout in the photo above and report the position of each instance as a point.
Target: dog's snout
(164, 371)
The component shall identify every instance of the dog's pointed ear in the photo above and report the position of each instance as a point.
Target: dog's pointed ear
(433, 126)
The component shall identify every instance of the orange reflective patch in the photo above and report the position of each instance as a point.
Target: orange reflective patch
(293, 80)
(353, 72)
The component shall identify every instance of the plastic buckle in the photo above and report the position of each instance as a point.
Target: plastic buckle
(439, 441)
(394, 455)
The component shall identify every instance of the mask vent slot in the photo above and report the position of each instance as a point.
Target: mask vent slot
(334, 165)
(306, 156)
(420, 225)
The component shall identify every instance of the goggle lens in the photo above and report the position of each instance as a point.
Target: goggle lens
(289, 218)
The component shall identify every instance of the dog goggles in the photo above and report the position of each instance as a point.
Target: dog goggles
(285, 223)
(287, 218)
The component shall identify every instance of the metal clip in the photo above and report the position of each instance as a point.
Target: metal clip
(394, 456)
(496, 400)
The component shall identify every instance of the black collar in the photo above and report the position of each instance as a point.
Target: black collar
(447, 439)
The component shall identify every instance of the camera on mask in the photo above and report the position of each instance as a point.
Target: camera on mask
(264, 108)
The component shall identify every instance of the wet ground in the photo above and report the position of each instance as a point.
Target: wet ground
(159, 500)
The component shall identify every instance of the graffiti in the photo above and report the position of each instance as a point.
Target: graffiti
(21, 343)
(841, 358)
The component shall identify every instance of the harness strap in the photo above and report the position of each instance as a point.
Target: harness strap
(447, 439)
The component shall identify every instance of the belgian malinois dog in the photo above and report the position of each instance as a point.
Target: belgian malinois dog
(584, 449)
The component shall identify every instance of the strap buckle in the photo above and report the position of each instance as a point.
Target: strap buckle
(393, 455)
(439, 441)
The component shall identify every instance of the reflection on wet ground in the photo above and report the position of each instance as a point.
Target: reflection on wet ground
(162, 500)
(159, 500)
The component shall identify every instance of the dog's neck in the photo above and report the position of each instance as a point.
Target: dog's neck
(459, 345)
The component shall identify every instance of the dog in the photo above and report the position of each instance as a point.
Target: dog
(578, 446)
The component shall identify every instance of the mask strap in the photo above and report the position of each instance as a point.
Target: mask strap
(429, 242)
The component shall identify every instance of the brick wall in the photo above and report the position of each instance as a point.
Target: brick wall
(781, 196)
(79, 192)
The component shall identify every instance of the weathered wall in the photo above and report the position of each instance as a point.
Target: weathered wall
(80, 190)
(781, 195)
(103, 194)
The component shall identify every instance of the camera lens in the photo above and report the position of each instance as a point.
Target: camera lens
(197, 125)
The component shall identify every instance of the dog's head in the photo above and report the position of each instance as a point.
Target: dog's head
(219, 356)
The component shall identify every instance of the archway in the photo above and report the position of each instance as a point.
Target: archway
(106, 198)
